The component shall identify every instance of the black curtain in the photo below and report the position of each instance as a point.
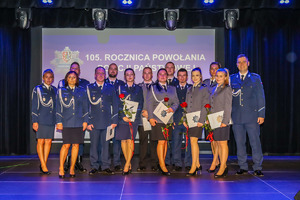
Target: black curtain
(14, 91)
(274, 53)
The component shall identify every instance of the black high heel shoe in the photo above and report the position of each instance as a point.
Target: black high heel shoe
(195, 172)
(43, 172)
(72, 175)
(167, 173)
(199, 169)
(222, 175)
(125, 173)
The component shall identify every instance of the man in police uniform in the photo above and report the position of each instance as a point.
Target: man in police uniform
(179, 130)
(112, 79)
(144, 135)
(248, 113)
(101, 98)
(83, 83)
(172, 80)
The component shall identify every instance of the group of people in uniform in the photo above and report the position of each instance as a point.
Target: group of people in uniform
(77, 106)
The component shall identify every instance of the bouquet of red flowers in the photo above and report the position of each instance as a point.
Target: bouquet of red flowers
(126, 110)
(165, 130)
(184, 119)
(207, 126)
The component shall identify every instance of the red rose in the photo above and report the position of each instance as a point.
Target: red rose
(166, 99)
(183, 104)
(207, 106)
(121, 96)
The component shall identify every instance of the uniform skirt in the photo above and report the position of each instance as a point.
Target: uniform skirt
(123, 131)
(157, 134)
(45, 132)
(195, 132)
(222, 134)
(73, 135)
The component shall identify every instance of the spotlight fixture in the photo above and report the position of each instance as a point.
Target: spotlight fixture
(23, 17)
(284, 1)
(208, 1)
(171, 16)
(47, 2)
(127, 2)
(100, 18)
(231, 16)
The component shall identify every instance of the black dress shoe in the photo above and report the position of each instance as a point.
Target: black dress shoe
(258, 173)
(153, 168)
(141, 168)
(43, 172)
(118, 168)
(93, 171)
(79, 166)
(188, 168)
(99, 169)
(72, 175)
(177, 169)
(241, 172)
(222, 175)
(108, 171)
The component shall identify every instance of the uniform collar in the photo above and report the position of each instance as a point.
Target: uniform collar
(99, 84)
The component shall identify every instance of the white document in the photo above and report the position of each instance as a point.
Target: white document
(132, 107)
(110, 133)
(146, 124)
(161, 113)
(193, 118)
(215, 119)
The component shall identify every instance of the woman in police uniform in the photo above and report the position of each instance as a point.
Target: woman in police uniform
(221, 100)
(196, 98)
(71, 118)
(161, 92)
(43, 117)
(131, 92)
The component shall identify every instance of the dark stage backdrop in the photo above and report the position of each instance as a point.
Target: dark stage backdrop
(269, 36)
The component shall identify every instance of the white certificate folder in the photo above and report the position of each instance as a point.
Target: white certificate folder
(193, 118)
(160, 113)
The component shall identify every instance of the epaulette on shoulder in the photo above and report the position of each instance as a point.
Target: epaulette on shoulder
(254, 74)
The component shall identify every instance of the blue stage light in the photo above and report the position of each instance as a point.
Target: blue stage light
(208, 1)
(127, 2)
(47, 2)
(284, 1)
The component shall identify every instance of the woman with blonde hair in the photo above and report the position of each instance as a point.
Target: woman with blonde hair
(221, 100)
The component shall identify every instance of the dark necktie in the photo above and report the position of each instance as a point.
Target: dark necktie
(165, 88)
(112, 82)
(211, 83)
(169, 81)
(100, 87)
(182, 87)
(242, 78)
(147, 85)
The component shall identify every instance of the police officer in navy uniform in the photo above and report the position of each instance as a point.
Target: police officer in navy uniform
(144, 135)
(172, 80)
(71, 118)
(112, 79)
(43, 117)
(178, 131)
(127, 128)
(211, 83)
(248, 113)
(102, 98)
(82, 83)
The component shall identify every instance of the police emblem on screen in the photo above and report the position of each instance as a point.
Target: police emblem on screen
(65, 57)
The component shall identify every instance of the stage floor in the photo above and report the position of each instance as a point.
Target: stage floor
(20, 179)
